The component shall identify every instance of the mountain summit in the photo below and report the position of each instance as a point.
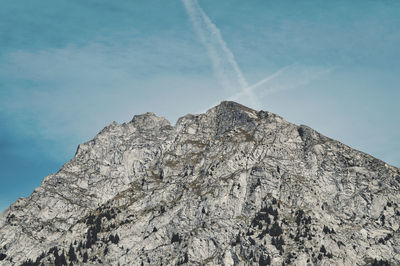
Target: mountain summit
(233, 186)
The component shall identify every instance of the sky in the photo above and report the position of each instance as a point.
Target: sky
(68, 68)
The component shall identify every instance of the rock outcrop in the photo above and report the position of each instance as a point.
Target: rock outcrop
(233, 186)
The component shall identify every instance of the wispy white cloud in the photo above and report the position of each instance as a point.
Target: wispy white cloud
(68, 94)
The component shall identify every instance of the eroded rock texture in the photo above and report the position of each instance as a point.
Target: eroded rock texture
(232, 186)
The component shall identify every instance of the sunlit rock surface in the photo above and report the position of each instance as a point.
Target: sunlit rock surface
(233, 186)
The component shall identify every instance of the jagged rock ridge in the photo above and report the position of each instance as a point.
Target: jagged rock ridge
(232, 186)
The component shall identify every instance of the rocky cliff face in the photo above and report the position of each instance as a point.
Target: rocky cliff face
(232, 186)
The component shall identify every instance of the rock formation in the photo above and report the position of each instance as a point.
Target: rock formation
(233, 186)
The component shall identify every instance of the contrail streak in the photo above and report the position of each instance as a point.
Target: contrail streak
(250, 89)
(228, 71)
(300, 78)
(287, 78)
(253, 87)
(231, 59)
(223, 60)
(270, 77)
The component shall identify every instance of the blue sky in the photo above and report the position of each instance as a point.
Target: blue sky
(69, 68)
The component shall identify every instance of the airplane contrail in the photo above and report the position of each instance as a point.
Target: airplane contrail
(296, 77)
(231, 59)
(300, 78)
(225, 66)
(223, 60)
(250, 89)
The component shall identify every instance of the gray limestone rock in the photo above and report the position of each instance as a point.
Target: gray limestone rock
(233, 186)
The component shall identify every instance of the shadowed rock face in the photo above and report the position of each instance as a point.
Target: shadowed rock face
(233, 186)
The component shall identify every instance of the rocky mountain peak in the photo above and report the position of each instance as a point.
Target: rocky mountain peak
(232, 186)
(149, 121)
(232, 107)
